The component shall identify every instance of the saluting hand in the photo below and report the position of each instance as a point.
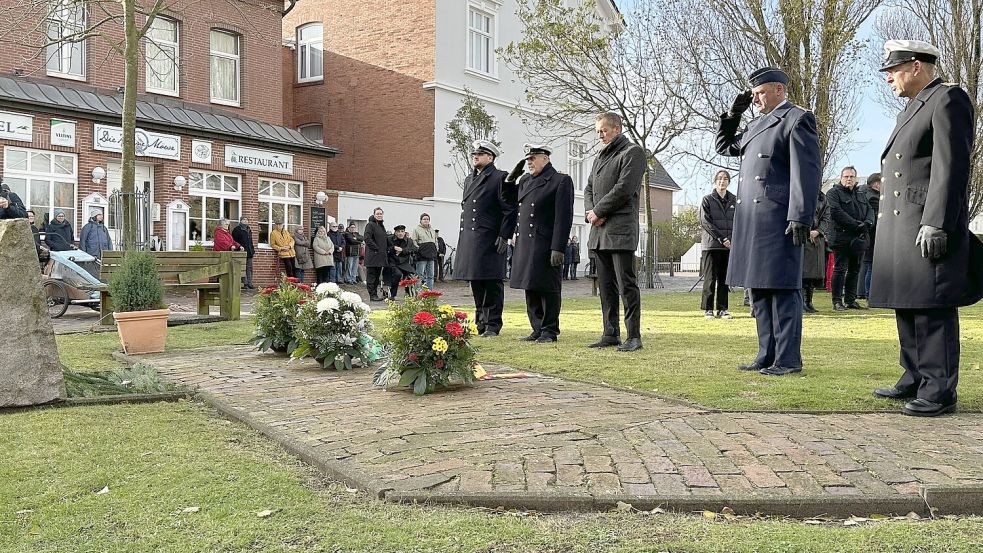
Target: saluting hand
(741, 103)
(517, 171)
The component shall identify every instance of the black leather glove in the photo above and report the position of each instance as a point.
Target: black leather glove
(556, 258)
(799, 232)
(501, 245)
(517, 171)
(933, 242)
(741, 103)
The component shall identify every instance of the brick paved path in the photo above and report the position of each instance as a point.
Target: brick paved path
(551, 443)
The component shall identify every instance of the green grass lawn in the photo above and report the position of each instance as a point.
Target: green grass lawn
(181, 479)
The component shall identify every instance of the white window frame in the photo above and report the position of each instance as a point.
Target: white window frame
(284, 200)
(575, 163)
(489, 9)
(301, 128)
(163, 46)
(51, 177)
(67, 27)
(220, 194)
(238, 61)
(303, 60)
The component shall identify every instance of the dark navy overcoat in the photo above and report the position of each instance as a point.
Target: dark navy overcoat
(543, 225)
(488, 212)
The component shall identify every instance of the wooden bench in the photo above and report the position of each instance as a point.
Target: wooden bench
(186, 271)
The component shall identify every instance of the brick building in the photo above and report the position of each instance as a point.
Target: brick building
(381, 80)
(212, 137)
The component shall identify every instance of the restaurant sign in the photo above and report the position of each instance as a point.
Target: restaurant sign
(259, 160)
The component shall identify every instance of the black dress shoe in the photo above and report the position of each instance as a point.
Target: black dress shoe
(776, 370)
(488, 334)
(631, 344)
(606, 342)
(544, 338)
(531, 338)
(925, 408)
(894, 393)
(839, 307)
(809, 308)
(755, 366)
(854, 305)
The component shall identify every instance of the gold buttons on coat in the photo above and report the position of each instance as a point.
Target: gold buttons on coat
(897, 174)
(738, 200)
(896, 212)
(897, 194)
(897, 156)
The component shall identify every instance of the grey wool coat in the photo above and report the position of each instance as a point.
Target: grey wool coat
(925, 168)
(779, 182)
(612, 192)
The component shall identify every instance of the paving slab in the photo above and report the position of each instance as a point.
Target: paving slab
(550, 444)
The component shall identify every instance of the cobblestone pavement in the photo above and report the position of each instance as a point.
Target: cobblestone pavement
(543, 437)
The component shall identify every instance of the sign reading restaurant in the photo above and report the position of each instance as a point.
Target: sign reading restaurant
(148, 144)
(259, 160)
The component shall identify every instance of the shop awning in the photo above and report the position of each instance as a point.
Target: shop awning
(168, 115)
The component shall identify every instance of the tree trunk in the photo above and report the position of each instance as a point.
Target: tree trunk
(131, 60)
(649, 232)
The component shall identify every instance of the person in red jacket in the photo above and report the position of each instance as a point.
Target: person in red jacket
(223, 241)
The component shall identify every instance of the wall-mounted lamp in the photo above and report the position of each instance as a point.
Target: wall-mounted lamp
(320, 198)
(179, 183)
(98, 173)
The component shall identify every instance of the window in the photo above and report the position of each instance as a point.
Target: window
(576, 153)
(481, 41)
(314, 132)
(46, 181)
(212, 196)
(310, 53)
(162, 57)
(66, 54)
(280, 201)
(225, 67)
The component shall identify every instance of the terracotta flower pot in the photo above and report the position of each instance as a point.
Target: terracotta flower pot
(142, 331)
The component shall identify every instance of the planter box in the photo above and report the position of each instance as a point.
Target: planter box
(142, 331)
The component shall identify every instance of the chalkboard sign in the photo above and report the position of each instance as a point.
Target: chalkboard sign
(317, 218)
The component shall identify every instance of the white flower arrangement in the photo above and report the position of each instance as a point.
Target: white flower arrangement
(334, 329)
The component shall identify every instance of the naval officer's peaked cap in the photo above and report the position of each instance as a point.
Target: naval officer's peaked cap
(485, 147)
(533, 149)
(897, 52)
(767, 75)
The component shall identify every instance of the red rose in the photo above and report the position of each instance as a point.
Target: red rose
(413, 357)
(293, 279)
(460, 315)
(439, 363)
(424, 318)
(429, 294)
(454, 329)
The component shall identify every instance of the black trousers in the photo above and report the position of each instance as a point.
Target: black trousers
(616, 276)
(289, 268)
(543, 309)
(440, 268)
(395, 275)
(321, 273)
(778, 316)
(929, 352)
(373, 275)
(846, 271)
(714, 264)
(489, 297)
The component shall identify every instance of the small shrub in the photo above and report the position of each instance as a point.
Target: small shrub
(136, 286)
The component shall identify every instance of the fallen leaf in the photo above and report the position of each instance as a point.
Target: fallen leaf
(146, 453)
(622, 507)
(913, 516)
(265, 514)
(850, 523)
(657, 511)
(191, 509)
(813, 521)
(102, 491)
(24, 512)
(351, 490)
(709, 514)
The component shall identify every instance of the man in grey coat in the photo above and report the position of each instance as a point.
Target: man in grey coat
(776, 202)
(611, 205)
(94, 238)
(926, 262)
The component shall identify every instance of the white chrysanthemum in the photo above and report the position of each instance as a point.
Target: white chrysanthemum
(365, 307)
(350, 297)
(322, 288)
(331, 287)
(327, 304)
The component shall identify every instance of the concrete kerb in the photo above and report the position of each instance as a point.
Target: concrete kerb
(931, 500)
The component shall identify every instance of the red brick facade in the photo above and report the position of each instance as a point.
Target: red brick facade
(371, 103)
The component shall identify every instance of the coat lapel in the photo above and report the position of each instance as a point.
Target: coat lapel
(475, 181)
(911, 109)
(764, 123)
(538, 181)
(609, 154)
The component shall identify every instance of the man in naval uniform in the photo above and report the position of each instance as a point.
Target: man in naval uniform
(926, 262)
(545, 218)
(488, 214)
(776, 200)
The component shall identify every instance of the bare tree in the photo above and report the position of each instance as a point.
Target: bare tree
(471, 122)
(39, 24)
(576, 66)
(955, 27)
(720, 42)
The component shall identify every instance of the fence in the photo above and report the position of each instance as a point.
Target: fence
(142, 218)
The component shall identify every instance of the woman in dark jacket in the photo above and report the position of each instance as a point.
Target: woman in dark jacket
(377, 247)
(59, 234)
(338, 241)
(574, 256)
(717, 222)
(814, 254)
